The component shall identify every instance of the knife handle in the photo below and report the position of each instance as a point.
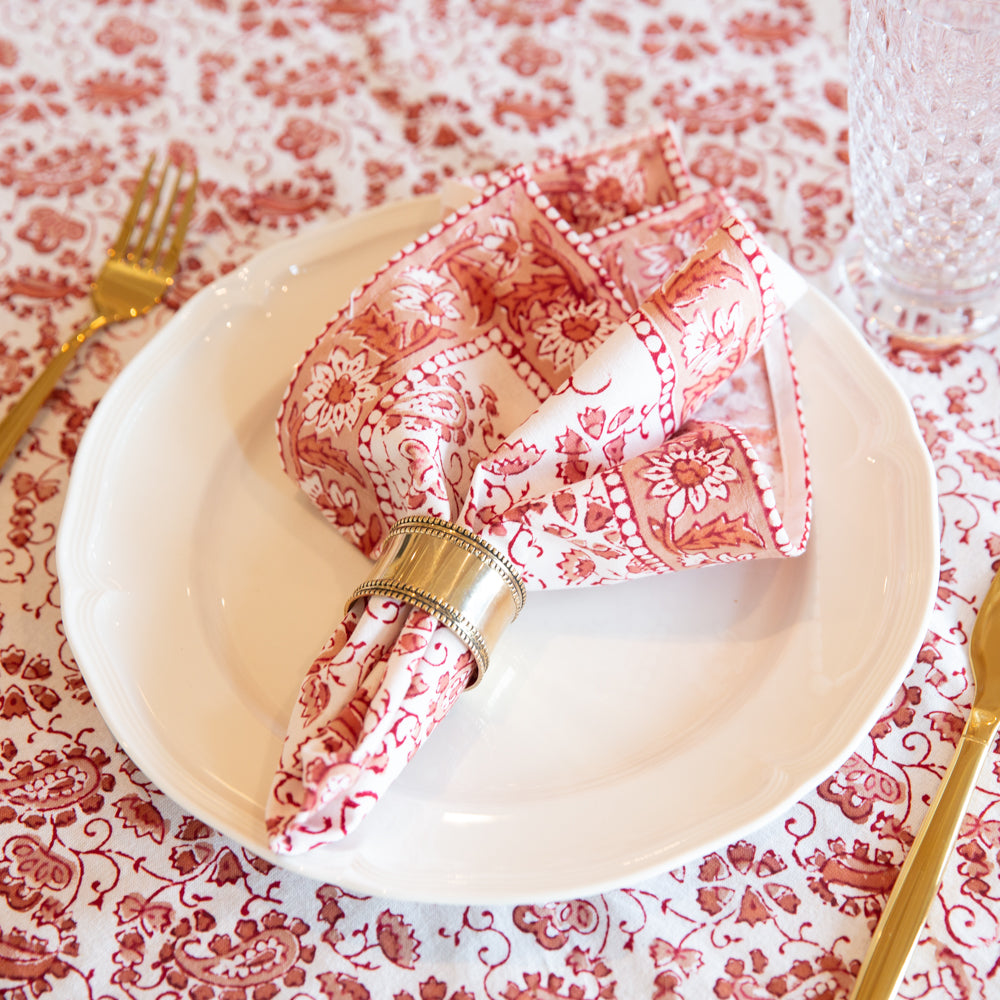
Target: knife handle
(917, 883)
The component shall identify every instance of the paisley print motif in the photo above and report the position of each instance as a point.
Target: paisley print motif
(300, 110)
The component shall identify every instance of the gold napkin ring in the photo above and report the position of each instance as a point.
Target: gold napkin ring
(444, 569)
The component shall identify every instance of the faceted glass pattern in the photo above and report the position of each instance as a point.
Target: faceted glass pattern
(925, 148)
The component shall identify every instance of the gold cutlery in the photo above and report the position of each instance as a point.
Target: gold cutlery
(918, 880)
(137, 274)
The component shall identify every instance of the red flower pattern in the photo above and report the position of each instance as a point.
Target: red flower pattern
(109, 889)
(121, 35)
(501, 282)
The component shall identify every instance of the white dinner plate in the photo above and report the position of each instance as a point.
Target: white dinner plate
(619, 732)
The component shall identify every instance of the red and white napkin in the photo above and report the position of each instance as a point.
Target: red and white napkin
(570, 367)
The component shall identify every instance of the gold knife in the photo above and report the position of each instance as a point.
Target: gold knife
(918, 880)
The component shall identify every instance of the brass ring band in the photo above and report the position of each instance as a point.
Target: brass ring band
(444, 569)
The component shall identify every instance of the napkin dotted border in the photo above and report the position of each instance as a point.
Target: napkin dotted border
(492, 338)
(780, 536)
(666, 138)
(740, 229)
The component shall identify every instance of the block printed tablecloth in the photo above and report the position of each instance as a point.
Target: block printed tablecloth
(307, 110)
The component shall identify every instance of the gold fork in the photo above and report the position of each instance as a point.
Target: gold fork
(137, 274)
(917, 883)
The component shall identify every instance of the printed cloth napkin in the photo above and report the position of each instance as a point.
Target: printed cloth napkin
(568, 365)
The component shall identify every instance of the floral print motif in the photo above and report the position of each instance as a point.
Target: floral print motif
(338, 389)
(420, 291)
(707, 338)
(545, 77)
(339, 504)
(594, 476)
(659, 260)
(576, 567)
(571, 332)
(609, 185)
(689, 476)
(504, 246)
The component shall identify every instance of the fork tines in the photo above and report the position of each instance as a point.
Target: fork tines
(158, 215)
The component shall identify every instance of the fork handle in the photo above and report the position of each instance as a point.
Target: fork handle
(22, 413)
(918, 880)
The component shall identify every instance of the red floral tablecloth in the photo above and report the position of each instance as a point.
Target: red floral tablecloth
(302, 110)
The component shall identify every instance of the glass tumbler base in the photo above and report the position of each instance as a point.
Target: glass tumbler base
(898, 312)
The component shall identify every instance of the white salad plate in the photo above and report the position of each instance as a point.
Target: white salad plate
(620, 731)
